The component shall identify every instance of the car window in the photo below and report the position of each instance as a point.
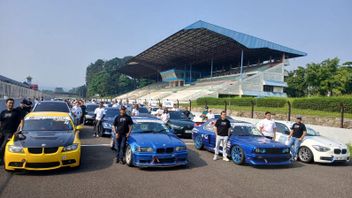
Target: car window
(143, 110)
(245, 130)
(91, 108)
(149, 127)
(111, 112)
(47, 124)
(210, 126)
(52, 106)
(312, 132)
(281, 128)
(177, 115)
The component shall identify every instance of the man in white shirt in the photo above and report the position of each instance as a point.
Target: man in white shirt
(210, 115)
(77, 112)
(99, 114)
(135, 110)
(165, 117)
(160, 111)
(268, 127)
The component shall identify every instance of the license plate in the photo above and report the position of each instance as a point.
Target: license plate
(188, 131)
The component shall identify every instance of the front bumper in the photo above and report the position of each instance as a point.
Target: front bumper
(268, 159)
(331, 158)
(160, 160)
(43, 161)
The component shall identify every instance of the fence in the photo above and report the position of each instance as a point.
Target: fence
(15, 91)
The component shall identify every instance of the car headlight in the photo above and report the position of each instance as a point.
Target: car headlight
(106, 125)
(175, 126)
(286, 150)
(260, 150)
(321, 148)
(180, 148)
(144, 149)
(15, 149)
(71, 147)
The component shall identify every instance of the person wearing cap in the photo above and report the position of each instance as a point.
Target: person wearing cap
(122, 127)
(268, 127)
(99, 114)
(23, 110)
(297, 134)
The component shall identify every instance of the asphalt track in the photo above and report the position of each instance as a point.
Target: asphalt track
(99, 176)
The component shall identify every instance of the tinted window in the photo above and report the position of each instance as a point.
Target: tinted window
(149, 127)
(47, 125)
(91, 107)
(52, 106)
(246, 131)
(281, 128)
(111, 112)
(177, 115)
(312, 132)
(143, 110)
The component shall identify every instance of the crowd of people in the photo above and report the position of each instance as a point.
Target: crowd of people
(11, 121)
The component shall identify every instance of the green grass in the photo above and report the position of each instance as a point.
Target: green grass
(350, 148)
(283, 110)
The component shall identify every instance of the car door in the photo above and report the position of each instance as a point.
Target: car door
(209, 135)
(282, 132)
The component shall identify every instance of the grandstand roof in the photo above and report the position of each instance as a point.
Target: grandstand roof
(197, 43)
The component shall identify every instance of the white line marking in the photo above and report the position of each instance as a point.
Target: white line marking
(88, 145)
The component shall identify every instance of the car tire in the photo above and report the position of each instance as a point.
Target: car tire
(237, 155)
(129, 156)
(198, 142)
(305, 154)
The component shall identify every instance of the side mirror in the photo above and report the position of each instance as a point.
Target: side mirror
(79, 127)
(20, 136)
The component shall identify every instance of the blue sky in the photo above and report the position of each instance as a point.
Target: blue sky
(54, 41)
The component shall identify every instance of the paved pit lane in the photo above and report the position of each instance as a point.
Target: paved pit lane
(99, 176)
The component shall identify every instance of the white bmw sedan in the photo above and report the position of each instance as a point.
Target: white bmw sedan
(314, 147)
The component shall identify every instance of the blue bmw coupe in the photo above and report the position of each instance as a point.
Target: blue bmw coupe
(153, 144)
(245, 145)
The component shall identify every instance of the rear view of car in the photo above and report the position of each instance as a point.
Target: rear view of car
(51, 106)
(89, 116)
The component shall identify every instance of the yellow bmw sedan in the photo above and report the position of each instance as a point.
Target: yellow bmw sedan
(48, 140)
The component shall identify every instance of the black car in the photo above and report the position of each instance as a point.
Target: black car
(109, 115)
(180, 123)
(57, 106)
(89, 116)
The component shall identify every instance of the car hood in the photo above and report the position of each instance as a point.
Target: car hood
(46, 139)
(181, 122)
(156, 140)
(324, 141)
(108, 119)
(260, 142)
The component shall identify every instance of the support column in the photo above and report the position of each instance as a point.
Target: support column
(241, 75)
(211, 67)
(190, 73)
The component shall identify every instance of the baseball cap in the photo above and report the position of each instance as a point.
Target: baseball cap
(299, 117)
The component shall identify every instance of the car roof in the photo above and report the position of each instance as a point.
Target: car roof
(48, 114)
(146, 119)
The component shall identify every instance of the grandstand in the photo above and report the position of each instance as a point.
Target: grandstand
(208, 60)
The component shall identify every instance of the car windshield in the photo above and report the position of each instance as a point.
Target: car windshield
(149, 127)
(52, 106)
(312, 132)
(47, 124)
(91, 108)
(177, 115)
(143, 110)
(245, 130)
(111, 112)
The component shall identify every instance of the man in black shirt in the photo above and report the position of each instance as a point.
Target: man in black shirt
(10, 120)
(298, 131)
(23, 108)
(222, 131)
(122, 127)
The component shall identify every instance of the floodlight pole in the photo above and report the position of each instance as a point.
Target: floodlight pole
(241, 74)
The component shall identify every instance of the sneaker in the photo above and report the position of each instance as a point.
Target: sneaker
(215, 157)
(117, 161)
(97, 136)
(225, 159)
(122, 161)
(296, 158)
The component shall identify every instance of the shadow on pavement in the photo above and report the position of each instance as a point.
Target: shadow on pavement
(293, 165)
